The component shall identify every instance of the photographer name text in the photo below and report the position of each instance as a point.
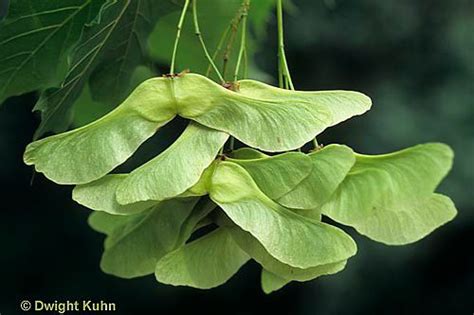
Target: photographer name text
(68, 306)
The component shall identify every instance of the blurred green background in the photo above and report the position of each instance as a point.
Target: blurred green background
(414, 58)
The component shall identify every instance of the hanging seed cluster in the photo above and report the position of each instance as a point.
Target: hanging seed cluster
(265, 207)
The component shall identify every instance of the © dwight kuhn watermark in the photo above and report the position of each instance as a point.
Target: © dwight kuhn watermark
(67, 306)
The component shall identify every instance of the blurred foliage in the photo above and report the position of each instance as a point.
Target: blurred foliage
(214, 18)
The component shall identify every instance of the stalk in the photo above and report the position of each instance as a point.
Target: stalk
(243, 39)
(284, 76)
(178, 36)
(201, 40)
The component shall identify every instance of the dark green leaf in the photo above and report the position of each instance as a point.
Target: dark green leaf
(110, 80)
(35, 40)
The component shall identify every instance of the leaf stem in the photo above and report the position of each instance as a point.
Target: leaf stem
(178, 35)
(201, 40)
(219, 47)
(246, 63)
(243, 39)
(284, 76)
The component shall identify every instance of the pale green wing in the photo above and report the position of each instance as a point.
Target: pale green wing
(277, 175)
(314, 214)
(100, 195)
(390, 199)
(293, 239)
(204, 263)
(202, 187)
(176, 169)
(132, 249)
(271, 282)
(262, 116)
(106, 223)
(407, 223)
(198, 219)
(256, 250)
(247, 154)
(330, 166)
(88, 153)
(341, 104)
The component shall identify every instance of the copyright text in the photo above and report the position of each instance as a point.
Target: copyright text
(68, 306)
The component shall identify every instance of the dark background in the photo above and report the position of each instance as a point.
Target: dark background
(414, 58)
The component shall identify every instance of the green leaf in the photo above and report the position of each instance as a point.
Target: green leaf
(100, 195)
(88, 153)
(279, 174)
(284, 271)
(292, 239)
(110, 80)
(330, 166)
(262, 116)
(176, 169)
(35, 40)
(271, 282)
(133, 248)
(99, 42)
(204, 263)
(390, 199)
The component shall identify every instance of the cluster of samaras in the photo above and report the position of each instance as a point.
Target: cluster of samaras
(262, 207)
